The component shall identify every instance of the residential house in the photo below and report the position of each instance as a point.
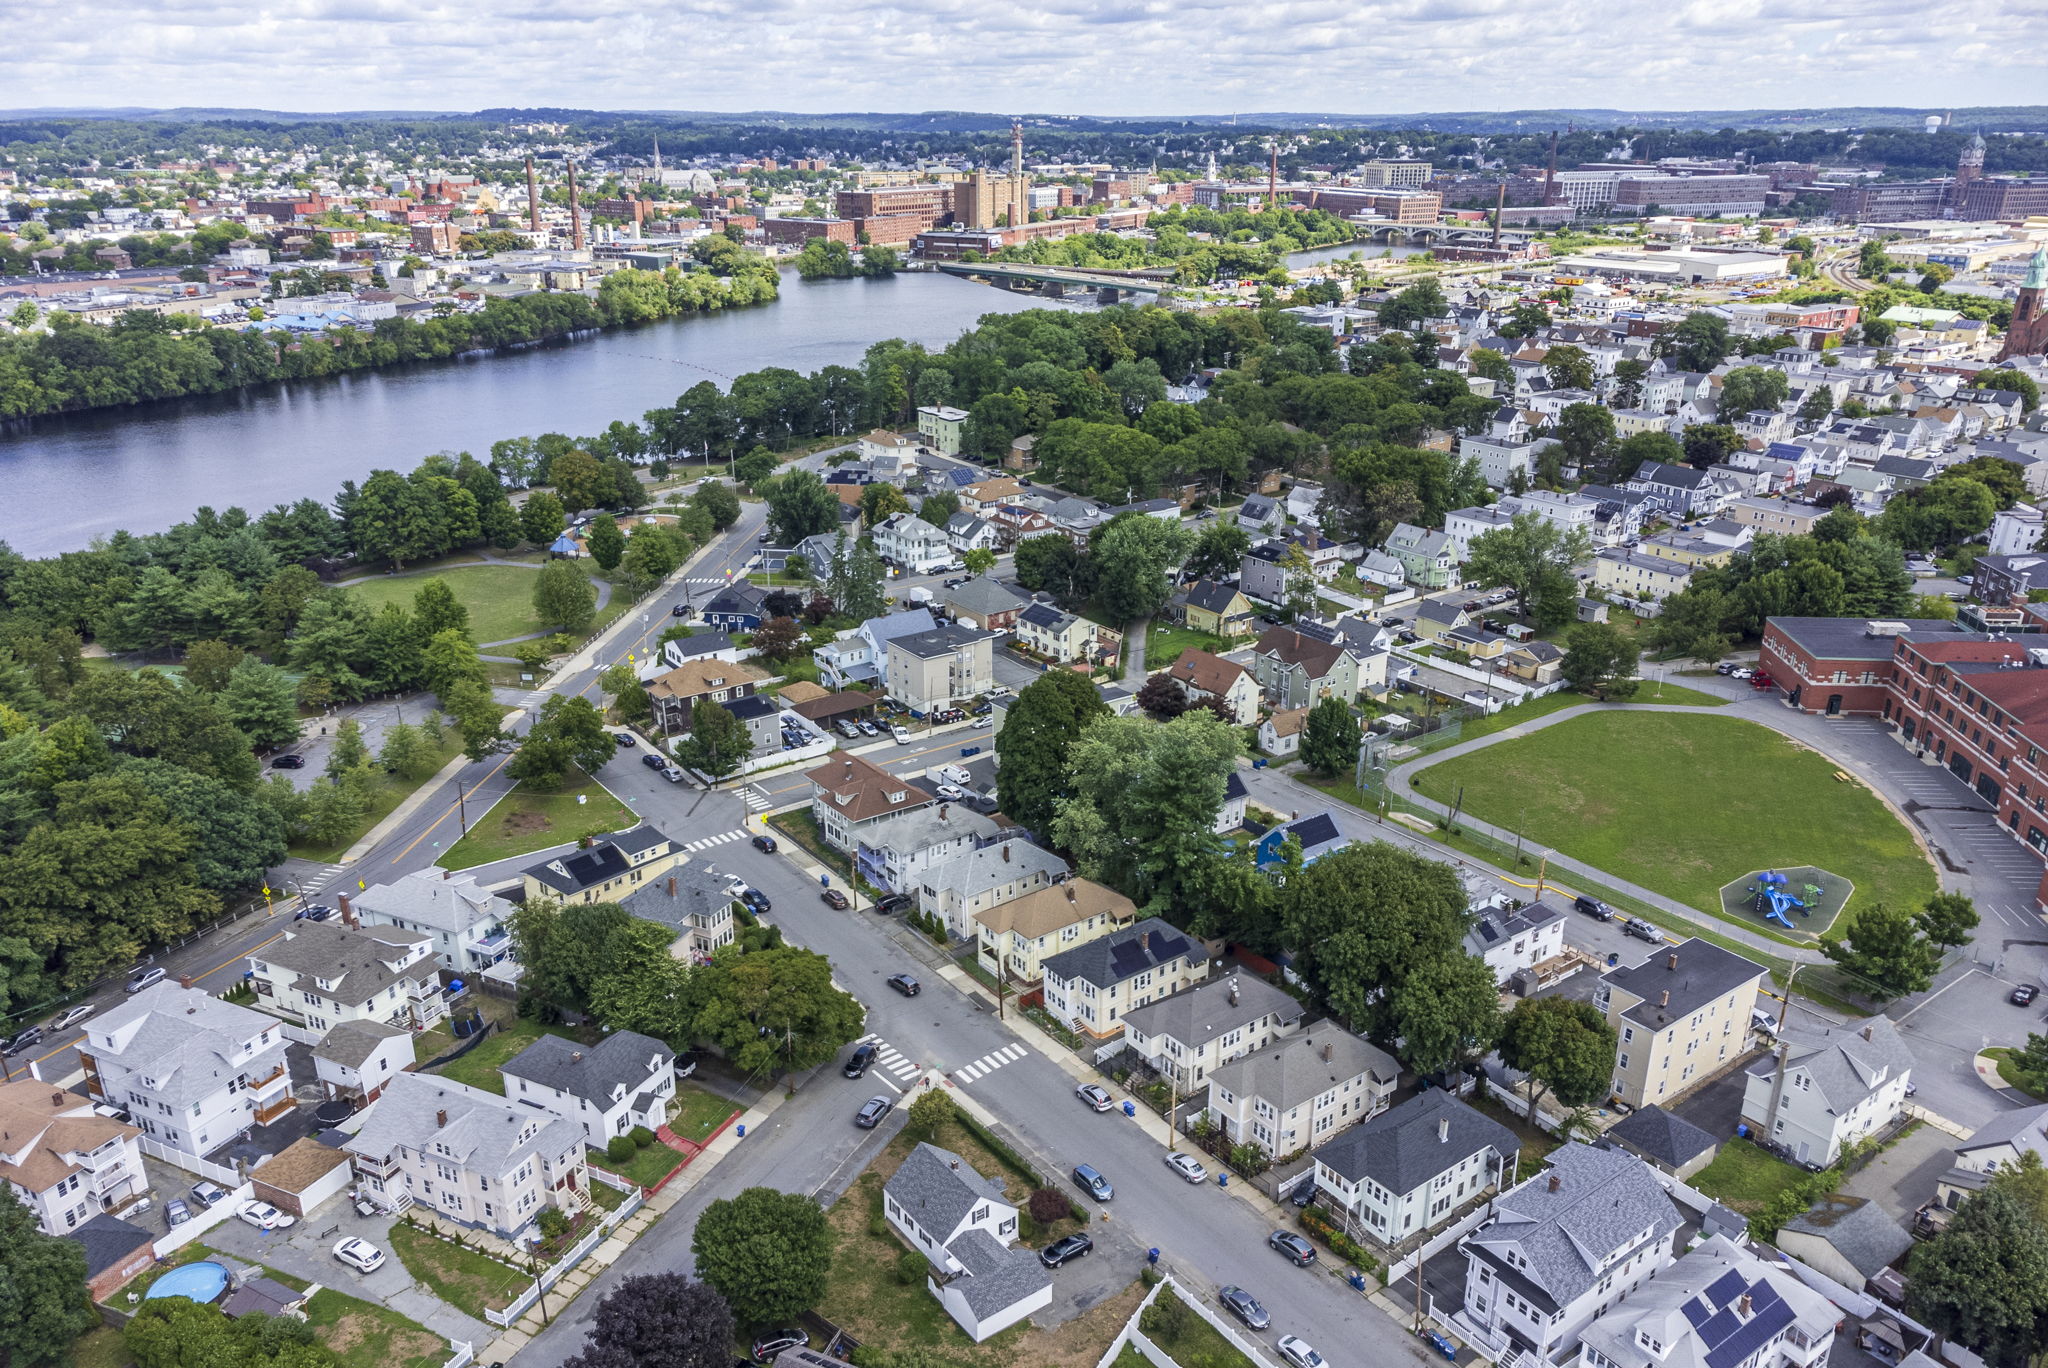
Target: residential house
(1207, 606)
(1664, 1140)
(466, 920)
(959, 890)
(1297, 670)
(963, 1224)
(1538, 662)
(982, 495)
(1408, 1169)
(193, 1071)
(675, 695)
(849, 794)
(1014, 937)
(1849, 1239)
(325, 973)
(605, 870)
(938, 428)
(895, 852)
(908, 541)
(1711, 542)
(1325, 557)
(1202, 675)
(1236, 798)
(1262, 572)
(1512, 939)
(355, 1059)
(1370, 644)
(1280, 732)
(1261, 515)
(1436, 619)
(1190, 1034)
(1618, 514)
(2016, 530)
(935, 669)
(1828, 1089)
(1377, 567)
(1680, 1015)
(1317, 834)
(1059, 636)
(2009, 579)
(1996, 1146)
(739, 607)
(694, 901)
(1718, 1307)
(985, 603)
(1301, 1089)
(1305, 502)
(65, 1163)
(1639, 578)
(1015, 522)
(888, 454)
(761, 715)
(862, 656)
(1562, 1248)
(1681, 491)
(1501, 457)
(1092, 986)
(467, 1156)
(705, 645)
(1428, 557)
(1463, 525)
(625, 1080)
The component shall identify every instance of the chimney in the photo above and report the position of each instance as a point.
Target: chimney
(575, 1056)
(348, 911)
(671, 885)
(575, 213)
(954, 1165)
(532, 198)
(1144, 940)
(1671, 961)
(1742, 1307)
(1866, 1033)
(1443, 1128)
(1329, 1049)
(942, 812)
(57, 1098)
(1006, 852)
(1664, 998)
(1555, 1182)
(441, 1117)
(1070, 894)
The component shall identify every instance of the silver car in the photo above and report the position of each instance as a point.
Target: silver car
(1187, 1166)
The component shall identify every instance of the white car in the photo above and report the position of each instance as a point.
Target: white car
(952, 793)
(360, 1255)
(1300, 1352)
(264, 1216)
(954, 774)
(1096, 1096)
(672, 774)
(902, 735)
(1187, 1166)
(72, 1017)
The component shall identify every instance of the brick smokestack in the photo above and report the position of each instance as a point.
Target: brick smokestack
(532, 198)
(1019, 214)
(575, 213)
(1550, 172)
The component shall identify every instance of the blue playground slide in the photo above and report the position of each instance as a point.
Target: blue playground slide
(1774, 900)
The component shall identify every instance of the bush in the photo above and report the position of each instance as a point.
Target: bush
(1320, 1226)
(910, 1268)
(553, 1222)
(620, 1148)
(1049, 1205)
(931, 1111)
(641, 1137)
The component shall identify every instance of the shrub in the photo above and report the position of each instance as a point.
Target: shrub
(553, 1222)
(619, 1148)
(910, 1268)
(930, 1111)
(1320, 1226)
(641, 1136)
(1049, 1205)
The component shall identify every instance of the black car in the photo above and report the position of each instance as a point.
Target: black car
(1059, 1251)
(289, 760)
(1592, 907)
(905, 984)
(895, 902)
(1244, 1306)
(622, 739)
(686, 1064)
(834, 899)
(872, 1111)
(652, 761)
(756, 900)
(862, 1058)
(765, 844)
(775, 1341)
(680, 610)
(1298, 1250)
(2024, 994)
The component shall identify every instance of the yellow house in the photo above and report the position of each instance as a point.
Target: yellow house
(1016, 935)
(1218, 609)
(1690, 549)
(1634, 576)
(1679, 1016)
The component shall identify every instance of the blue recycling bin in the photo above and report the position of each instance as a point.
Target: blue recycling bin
(1357, 1281)
(1130, 1110)
(740, 1130)
(1222, 1179)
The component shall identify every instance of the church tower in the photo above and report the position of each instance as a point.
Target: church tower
(2028, 334)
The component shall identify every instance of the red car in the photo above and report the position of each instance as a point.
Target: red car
(834, 899)
(1760, 681)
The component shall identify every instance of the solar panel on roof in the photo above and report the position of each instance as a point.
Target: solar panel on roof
(1726, 1288)
(1746, 1340)
(1697, 1312)
(1724, 1324)
(1763, 1294)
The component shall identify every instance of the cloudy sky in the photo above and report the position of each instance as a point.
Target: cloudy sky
(1105, 57)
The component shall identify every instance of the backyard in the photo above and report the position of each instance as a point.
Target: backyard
(529, 819)
(1164, 642)
(479, 1068)
(460, 1277)
(1188, 1340)
(1743, 1178)
(364, 1335)
(1683, 803)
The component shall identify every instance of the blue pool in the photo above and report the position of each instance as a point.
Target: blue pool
(202, 1282)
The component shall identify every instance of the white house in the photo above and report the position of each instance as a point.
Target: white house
(1463, 525)
(1511, 940)
(466, 920)
(1187, 1035)
(325, 973)
(1832, 1092)
(623, 1081)
(65, 1162)
(2016, 530)
(1564, 1247)
(1091, 987)
(355, 1059)
(1407, 1170)
(193, 1071)
(1719, 1305)
(1301, 1089)
(1993, 1146)
(966, 1228)
(906, 540)
(895, 852)
(861, 656)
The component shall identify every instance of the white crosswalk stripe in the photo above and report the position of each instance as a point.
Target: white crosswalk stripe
(323, 878)
(707, 842)
(890, 1058)
(989, 1063)
(755, 800)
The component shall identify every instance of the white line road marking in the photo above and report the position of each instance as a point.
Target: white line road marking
(890, 1086)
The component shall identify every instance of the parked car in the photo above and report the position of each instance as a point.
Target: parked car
(176, 1213)
(145, 978)
(1187, 1166)
(1299, 1352)
(31, 1035)
(873, 1110)
(289, 760)
(1093, 1183)
(895, 902)
(264, 1216)
(1071, 1247)
(775, 1341)
(2023, 995)
(902, 735)
(1641, 930)
(1297, 1249)
(952, 793)
(653, 761)
(1096, 1096)
(867, 728)
(679, 610)
(1244, 1306)
(71, 1016)
(672, 774)
(905, 984)
(765, 844)
(955, 774)
(834, 899)
(860, 1060)
(206, 1194)
(360, 1255)
(757, 901)
(1760, 1020)
(1593, 907)
(623, 740)
(686, 1063)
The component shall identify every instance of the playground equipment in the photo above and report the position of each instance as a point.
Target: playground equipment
(1773, 899)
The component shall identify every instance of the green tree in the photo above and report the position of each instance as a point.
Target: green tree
(2017, 382)
(775, 1010)
(44, 1306)
(1628, 382)
(1984, 1280)
(1489, 364)
(756, 466)
(1948, 919)
(604, 541)
(542, 518)
(1816, 406)
(1364, 917)
(406, 753)
(1563, 1046)
(1694, 623)
(1051, 565)
(1888, 952)
(719, 503)
(767, 1252)
(563, 596)
(879, 501)
(1531, 556)
(642, 987)
(1447, 1010)
(1038, 731)
(939, 507)
(800, 506)
(349, 756)
(1298, 596)
(1330, 740)
(1132, 555)
(628, 694)
(1586, 432)
(262, 702)
(1749, 389)
(1707, 444)
(932, 1109)
(209, 663)
(1219, 549)
(978, 560)
(2006, 481)
(717, 742)
(435, 609)
(569, 733)
(1568, 367)
(1600, 659)
(580, 481)
(659, 1319)
(1699, 342)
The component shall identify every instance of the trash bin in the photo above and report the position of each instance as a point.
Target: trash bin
(740, 1130)
(1130, 1109)
(1222, 1180)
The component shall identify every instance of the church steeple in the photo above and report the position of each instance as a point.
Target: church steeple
(2027, 334)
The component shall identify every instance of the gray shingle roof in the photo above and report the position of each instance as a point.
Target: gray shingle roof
(622, 1062)
(1658, 1134)
(1195, 1016)
(976, 871)
(1292, 1071)
(699, 891)
(1123, 954)
(356, 962)
(937, 1188)
(1704, 972)
(185, 1041)
(1854, 1227)
(1565, 1222)
(605, 859)
(996, 1277)
(1401, 1149)
(1846, 1067)
(426, 898)
(983, 596)
(485, 1133)
(2026, 1128)
(352, 1042)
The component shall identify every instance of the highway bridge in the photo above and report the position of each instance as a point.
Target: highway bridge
(1109, 286)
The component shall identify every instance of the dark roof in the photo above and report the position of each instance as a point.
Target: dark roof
(1703, 972)
(1495, 924)
(1042, 615)
(604, 860)
(738, 598)
(1123, 954)
(108, 1240)
(1438, 610)
(695, 889)
(1850, 639)
(618, 1062)
(1658, 1134)
(1233, 787)
(937, 1188)
(1210, 595)
(1400, 1149)
(939, 640)
(1290, 647)
(702, 643)
(1854, 1227)
(751, 705)
(1677, 477)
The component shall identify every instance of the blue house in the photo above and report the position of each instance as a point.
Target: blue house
(738, 608)
(1317, 833)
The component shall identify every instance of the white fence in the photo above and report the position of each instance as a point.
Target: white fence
(1442, 1240)
(1158, 1357)
(191, 1163)
(203, 1220)
(555, 1272)
(464, 1355)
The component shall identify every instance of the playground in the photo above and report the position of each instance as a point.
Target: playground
(1801, 899)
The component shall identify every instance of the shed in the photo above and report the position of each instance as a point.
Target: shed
(1850, 1239)
(115, 1252)
(1665, 1141)
(302, 1175)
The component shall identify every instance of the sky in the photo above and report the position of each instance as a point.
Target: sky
(1096, 57)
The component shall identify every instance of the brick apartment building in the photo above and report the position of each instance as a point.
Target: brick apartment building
(1399, 206)
(1839, 667)
(794, 232)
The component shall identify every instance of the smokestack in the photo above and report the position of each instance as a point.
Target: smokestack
(1272, 173)
(1671, 961)
(1500, 206)
(575, 213)
(1555, 1182)
(1550, 172)
(1019, 215)
(532, 198)
(1443, 1126)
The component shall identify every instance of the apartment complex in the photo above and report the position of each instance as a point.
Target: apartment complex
(1681, 1015)
(193, 1071)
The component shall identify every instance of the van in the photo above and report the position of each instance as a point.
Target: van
(1093, 1183)
(858, 1062)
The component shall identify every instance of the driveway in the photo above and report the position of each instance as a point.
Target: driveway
(1716, 1106)
(1902, 1178)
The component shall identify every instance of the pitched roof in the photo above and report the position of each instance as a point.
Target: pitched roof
(976, 871)
(40, 1125)
(860, 789)
(354, 964)
(623, 1062)
(433, 898)
(920, 830)
(1714, 1308)
(995, 1276)
(1215, 1007)
(1663, 1136)
(699, 677)
(690, 891)
(1124, 954)
(605, 859)
(107, 1241)
(983, 596)
(1043, 911)
(350, 1043)
(299, 1165)
(1567, 1221)
(937, 1188)
(1211, 596)
(183, 1039)
(1854, 1227)
(1849, 1064)
(1492, 925)
(1288, 721)
(1206, 672)
(2026, 1129)
(1304, 1066)
(1407, 1146)
(1694, 973)
(480, 1131)
(1291, 647)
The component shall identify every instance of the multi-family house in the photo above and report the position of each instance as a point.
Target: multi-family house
(1618, 514)
(694, 901)
(1408, 1169)
(1203, 675)
(1015, 522)
(906, 540)
(967, 531)
(356, 1059)
(989, 493)
(1564, 1247)
(1013, 937)
(861, 657)
(895, 852)
(1207, 606)
(1301, 1089)
(1718, 1307)
(1297, 670)
(965, 1227)
(1502, 457)
(625, 1080)
(675, 695)
(1828, 1089)
(1994, 1147)
(1262, 572)
(1511, 939)
(1054, 633)
(1681, 1015)
(466, 1155)
(325, 973)
(1427, 556)
(1681, 491)
(193, 1071)
(986, 603)
(935, 669)
(958, 890)
(466, 920)
(939, 427)
(65, 1162)
(739, 607)
(605, 870)
(1780, 516)
(1463, 525)
(1190, 1034)
(890, 455)
(1638, 577)
(849, 794)
(1092, 986)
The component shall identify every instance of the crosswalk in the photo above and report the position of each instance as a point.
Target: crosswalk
(321, 880)
(889, 1059)
(755, 800)
(709, 841)
(989, 1063)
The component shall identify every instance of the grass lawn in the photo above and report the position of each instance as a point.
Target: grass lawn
(363, 1335)
(1187, 1339)
(2010, 1073)
(387, 791)
(1535, 708)
(460, 1277)
(529, 819)
(1744, 1178)
(479, 1068)
(647, 1167)
(605, 1197)
(1669, 693)
(101, 1347)
(1684, 803)
(698, 1113)
(1164, 642)
(499, 597)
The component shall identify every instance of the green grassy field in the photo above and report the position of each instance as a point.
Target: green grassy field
(499, 597)
(530, 819)
(1164, 642)
(1744, 1178)
(1682, 803)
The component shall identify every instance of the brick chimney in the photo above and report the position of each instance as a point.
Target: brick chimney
(348, 911)
(1866, 1032)
(1329, 1050)
(441, 1117)
(1006, 852)
(1671, 961)
(671, 885)
(1144, 940)
(1555, 1182)
(1664, 998)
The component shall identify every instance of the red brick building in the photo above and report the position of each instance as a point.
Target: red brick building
(794, 232)
(435, 239)
(1838, 667)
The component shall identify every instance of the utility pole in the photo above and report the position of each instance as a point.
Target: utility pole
(462, 805)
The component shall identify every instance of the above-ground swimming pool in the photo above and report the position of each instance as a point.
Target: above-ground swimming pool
(202, 1282)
